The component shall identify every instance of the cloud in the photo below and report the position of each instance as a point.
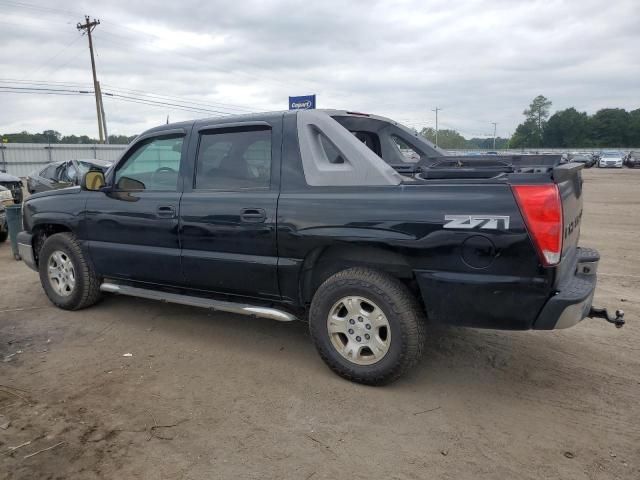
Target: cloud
(480, 61)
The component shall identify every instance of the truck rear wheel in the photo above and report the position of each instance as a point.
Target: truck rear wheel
(366, 326)
(66, 275)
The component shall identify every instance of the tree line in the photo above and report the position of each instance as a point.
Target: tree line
(452, 140)
(52, 136)
(608, 127)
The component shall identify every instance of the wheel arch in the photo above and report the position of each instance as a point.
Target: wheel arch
(323, 262)
(41, 231)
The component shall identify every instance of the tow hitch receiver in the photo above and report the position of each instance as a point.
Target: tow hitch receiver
(618, 320)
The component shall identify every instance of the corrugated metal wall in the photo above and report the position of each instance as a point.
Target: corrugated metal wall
(21, 159)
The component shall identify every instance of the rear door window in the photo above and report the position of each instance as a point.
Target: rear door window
(234, 159)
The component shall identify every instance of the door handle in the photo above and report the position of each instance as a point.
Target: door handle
(254, 215)
(166, 211)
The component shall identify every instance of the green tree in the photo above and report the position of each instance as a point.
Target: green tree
(526, 136)
(120, 139)
(567, 128)
(530, 132)
(611, 127)
(70, 139)
(487, 143)
(448, 139)
(634, 128)
(51, 136)
(538, 111)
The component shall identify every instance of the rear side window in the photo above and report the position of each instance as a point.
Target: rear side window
(234, 159)
(331, 152)
(408, 153)
(371, 140)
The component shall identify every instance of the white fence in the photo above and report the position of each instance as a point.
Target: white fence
(21, 159)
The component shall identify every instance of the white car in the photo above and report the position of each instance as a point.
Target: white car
(611, 159)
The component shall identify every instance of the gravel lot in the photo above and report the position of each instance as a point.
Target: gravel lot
(219, 396)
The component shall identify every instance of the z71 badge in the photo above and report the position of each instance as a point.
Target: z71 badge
(482, 222)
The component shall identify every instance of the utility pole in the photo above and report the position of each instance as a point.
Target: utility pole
(437, 109)
(88, 26)
(494, 134)
(102, 115)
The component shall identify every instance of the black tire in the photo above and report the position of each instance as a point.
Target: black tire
(86, 291)
(4, 234)
(404, 315)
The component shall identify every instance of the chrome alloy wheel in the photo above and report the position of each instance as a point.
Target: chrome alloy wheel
(62, 275)
(359, 330)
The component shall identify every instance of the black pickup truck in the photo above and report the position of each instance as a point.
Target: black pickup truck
(347, 220)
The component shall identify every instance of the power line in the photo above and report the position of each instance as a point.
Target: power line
(42, 89)
(166, 104)
(138, 93)
(46, 62)
(228, 106)
(41, 82)
(44, 93)
(13, 3)
(67, 92)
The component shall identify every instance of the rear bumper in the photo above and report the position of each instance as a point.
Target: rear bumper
(572, 301)
(25, 249)
(511, 303)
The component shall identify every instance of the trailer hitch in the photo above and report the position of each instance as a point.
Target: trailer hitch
(618, 320)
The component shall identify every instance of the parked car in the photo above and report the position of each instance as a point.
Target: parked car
(633, 159)
(6, 199)
(62, 174)
(289, 215)
(587, 160)
(13, 184)
(610, 159)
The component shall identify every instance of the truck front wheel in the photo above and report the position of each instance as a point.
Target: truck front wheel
(367, 326)
(66, 275)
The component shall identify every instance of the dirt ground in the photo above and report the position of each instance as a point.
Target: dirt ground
(207, 395)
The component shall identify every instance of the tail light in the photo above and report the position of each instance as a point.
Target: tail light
(542, 211)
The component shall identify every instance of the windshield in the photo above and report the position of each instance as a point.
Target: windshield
(611, 154)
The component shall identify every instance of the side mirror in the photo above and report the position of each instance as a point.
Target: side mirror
(93, 180)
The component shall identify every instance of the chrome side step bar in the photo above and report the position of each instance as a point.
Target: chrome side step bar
(219, 305)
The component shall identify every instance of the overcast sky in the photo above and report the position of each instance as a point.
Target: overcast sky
(480, 61)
